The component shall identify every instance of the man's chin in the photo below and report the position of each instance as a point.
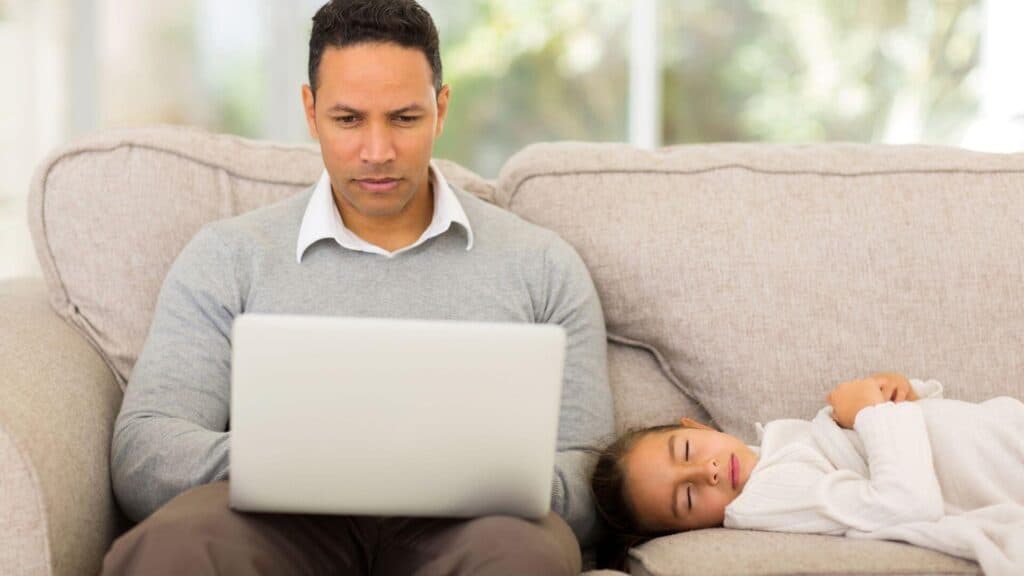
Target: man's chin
(380, 213)
(384, 205)
(379, 209)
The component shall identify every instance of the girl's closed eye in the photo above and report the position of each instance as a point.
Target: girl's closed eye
(689, 489)
(685, 504)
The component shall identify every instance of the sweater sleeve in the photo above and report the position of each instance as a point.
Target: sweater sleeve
(585, 418)
(781, 494)
(171, 433)
(927, 389)
(902, 486)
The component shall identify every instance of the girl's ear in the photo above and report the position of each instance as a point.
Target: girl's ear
(691, 423)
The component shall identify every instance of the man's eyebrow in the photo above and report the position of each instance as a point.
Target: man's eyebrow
(407, 109)
(675, 491)
(350, 110)
(344, 108)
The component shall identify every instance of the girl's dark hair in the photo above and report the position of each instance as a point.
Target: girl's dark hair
(608, 484)
(341, 23)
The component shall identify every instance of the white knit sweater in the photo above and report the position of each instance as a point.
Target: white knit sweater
(944, 474)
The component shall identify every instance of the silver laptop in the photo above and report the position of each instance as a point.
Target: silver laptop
(393, 417)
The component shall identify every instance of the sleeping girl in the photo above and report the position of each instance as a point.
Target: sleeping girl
(887, 458)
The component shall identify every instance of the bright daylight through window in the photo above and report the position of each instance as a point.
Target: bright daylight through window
(652, 72)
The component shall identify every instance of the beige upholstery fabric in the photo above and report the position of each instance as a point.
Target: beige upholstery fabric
(765, 274)
(25, 548)
(59, 400)
(643, 395)
(110, 213)
(722, 552)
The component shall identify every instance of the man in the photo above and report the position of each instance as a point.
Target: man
(381, 234)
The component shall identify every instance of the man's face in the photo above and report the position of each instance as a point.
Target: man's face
(376, 116)
(683, 479)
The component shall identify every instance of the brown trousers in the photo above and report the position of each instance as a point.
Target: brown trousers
(196, 534)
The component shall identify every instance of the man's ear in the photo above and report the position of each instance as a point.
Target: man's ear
(309, 106)
(442, 109)
(691, 423)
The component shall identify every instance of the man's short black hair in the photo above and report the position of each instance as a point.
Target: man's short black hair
(341, 23)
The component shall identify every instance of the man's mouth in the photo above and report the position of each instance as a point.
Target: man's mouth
(378, 184)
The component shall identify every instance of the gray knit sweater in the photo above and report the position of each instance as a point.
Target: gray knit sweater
(171, 434)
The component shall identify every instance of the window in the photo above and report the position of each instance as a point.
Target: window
(652, 72)
(528, 71)
(871, 71)
(521, 71)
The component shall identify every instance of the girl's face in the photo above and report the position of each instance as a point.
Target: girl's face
(683, 479)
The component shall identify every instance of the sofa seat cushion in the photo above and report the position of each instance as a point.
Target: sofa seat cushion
(724, 552)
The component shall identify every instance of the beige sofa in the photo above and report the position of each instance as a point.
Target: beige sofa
(738, 281)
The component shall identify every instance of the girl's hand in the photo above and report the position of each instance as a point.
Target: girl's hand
(895, 387)
(849, 398)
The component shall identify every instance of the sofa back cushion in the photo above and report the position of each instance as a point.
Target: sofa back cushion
(764, 274)
(110, 213)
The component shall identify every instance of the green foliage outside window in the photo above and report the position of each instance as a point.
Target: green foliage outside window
(531, 71)
(733, 70)
(819, 70)
(525, 71)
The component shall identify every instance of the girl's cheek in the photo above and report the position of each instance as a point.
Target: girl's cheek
(720, 503)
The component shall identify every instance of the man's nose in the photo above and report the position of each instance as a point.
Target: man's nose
(378, 146)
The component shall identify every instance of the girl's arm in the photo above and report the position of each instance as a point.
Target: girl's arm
(902, 485)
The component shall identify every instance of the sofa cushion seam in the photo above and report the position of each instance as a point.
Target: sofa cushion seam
(690, 172)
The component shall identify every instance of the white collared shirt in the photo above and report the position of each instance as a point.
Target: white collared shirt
(323, 220)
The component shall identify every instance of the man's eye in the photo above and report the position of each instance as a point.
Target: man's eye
(345, 119)
(689, 498)
(407, 119)
(687, 457)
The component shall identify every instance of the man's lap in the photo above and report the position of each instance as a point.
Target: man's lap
(198, 531)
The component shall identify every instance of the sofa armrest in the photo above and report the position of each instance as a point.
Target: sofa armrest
(59, 402)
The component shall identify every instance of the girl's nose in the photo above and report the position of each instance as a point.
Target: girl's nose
(710, 471)
(700, 472)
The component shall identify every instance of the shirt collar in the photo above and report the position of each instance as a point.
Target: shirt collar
(323, 220)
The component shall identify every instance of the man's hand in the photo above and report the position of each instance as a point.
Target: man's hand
(849, 398)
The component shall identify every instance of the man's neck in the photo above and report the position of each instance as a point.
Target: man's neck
(392, 232)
